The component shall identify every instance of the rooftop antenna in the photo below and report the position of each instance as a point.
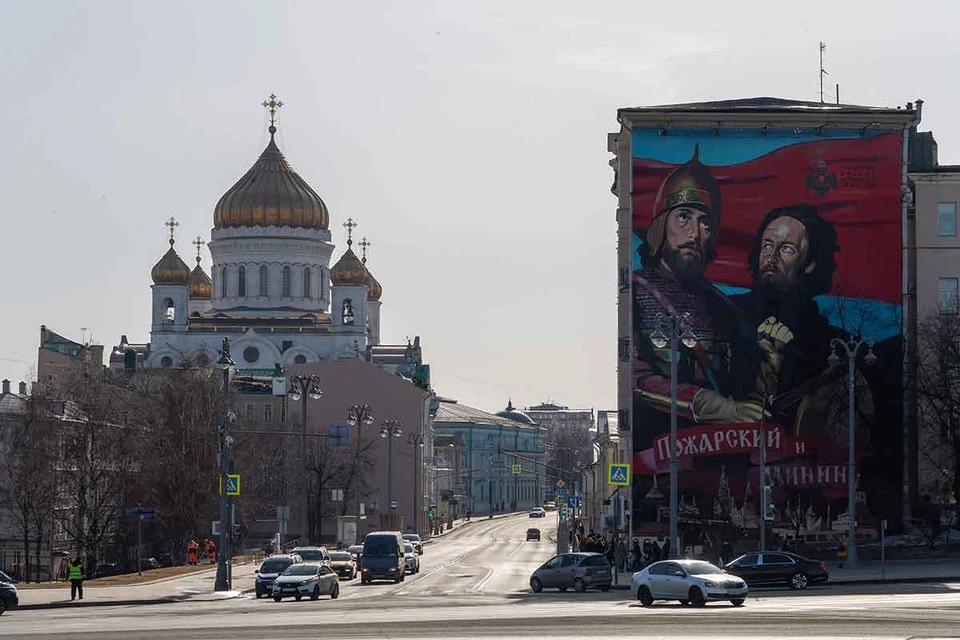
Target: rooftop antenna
(823, 71)
(83, 335)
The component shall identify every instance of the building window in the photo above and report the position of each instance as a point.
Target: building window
(267, 413)
(251, 354)
(286, 282)
(251, 412)
(283, 412)
(263, 281)
(948, 295)
(323, 284)
(166, 361)
(306, 282)
(223, 281)
(347, 312)
(169, 311)
(242, 282)
(300, 359)
(947, 218)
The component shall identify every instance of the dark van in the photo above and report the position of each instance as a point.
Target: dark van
(382, 557)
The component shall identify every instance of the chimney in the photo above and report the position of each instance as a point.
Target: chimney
(6, 386)
(23, 388)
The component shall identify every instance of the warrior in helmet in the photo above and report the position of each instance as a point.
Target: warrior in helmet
(680, 244)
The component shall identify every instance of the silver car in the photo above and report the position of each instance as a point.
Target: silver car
(411, 558)
(689, 581)
(306, 579)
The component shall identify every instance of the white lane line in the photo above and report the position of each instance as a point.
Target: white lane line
(479, 586)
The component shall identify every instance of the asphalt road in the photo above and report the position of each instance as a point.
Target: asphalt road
(473, 584)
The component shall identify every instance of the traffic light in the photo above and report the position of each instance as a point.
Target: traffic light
(430, 509)
(768, 508)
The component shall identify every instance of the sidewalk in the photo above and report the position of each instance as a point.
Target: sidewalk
(194, 587)
(905, 571)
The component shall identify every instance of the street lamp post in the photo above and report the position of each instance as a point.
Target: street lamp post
(679, 327)
(416, 439)
(222, 582)
(851, 348)
(358, 415)
(390, 429)
(301, 388)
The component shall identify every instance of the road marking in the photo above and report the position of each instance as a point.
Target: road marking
(482, 583)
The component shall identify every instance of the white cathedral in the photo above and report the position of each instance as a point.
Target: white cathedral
(273, 292)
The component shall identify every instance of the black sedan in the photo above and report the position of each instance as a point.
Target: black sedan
(778, 567)
(533, 534)
(8, 596)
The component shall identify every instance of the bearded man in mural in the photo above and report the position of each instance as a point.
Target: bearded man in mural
(680, 244)
(792, 261)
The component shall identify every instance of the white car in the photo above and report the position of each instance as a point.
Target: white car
(306, 580)
(691, 582)
(411, 558)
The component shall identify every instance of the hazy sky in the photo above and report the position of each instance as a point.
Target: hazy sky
(467, 138)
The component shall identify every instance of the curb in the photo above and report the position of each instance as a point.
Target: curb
(64, 604)
(848, 583)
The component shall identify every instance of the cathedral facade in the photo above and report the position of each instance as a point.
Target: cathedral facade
(272, 290)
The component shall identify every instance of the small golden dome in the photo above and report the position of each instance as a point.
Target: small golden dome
(349, 270)
(271, 194)
(374, 290)
(200, 286)
(171, 269)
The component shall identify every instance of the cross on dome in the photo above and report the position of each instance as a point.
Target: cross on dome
(272, 105)
(198, 243)
(364, 245)
(350, 225)
(172, 224)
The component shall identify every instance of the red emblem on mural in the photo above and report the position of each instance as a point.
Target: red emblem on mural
(820, 179)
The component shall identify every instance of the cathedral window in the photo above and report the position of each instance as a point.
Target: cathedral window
(166, 361)
(285, 278)
(347, 311)
(223, 281)
(251, 354)
(306, 283)
(300, 359)
(169, 311)
(263, 281)
(242, 282)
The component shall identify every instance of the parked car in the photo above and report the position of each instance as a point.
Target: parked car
(537, 512)
(8, 596)
(689, 581)
(105, 569)
(5, 577)
(411, 558)
(382, 557)
(318, 555)
(577, 570)
(550, 505)
(533, 534)
(270, 570)
(306, 579)
(343, 564)
(778, 567)
(414, 539)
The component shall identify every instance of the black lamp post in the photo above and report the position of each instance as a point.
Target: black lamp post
(303, 387)
(357, 415)
(223, 579)
(416, 439)
(390, 429)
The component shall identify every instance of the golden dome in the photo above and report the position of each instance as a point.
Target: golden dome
(374, 290)
(171, 269)
(200, 286)
(349, 270)
(271, 194)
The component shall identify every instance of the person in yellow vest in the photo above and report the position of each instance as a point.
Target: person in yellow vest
(76, 577)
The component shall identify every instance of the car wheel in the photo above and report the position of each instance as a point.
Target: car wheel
(605, 588)
(799, 580)
(298, 597)
(316, 592)
(562, 589)
(644, 596)
(737, 602)
(696, 597)
(335, 593)
(277, 598)
(685, 603)
(579, 585)
(259, 595)
(536, 585)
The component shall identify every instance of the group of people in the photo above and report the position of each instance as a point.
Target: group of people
(195, 554)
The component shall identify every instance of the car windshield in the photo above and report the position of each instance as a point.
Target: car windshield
(301, 570)
(380, 547)
(340, 556)
(5, 578)
(701, 568)
(309, 554)
(413, 537)
(408, 548)
(275, 566)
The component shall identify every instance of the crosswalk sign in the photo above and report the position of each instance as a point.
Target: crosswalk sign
(233, 484)
(618, 474)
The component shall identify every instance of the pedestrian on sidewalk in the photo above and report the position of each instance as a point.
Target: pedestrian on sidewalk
(76, 578)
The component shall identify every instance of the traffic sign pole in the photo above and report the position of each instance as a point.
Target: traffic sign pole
(139, 542)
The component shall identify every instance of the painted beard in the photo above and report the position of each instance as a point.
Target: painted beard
(687, 266)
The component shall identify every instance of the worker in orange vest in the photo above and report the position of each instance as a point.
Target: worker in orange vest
(192, 548)
(211, 548)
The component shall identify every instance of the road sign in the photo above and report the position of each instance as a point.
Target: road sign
(146, 514)
(559, 493)
(516, 469)
(573, 502)
(233, 484)
(560, 483)
(393, 505)
(618, 474)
